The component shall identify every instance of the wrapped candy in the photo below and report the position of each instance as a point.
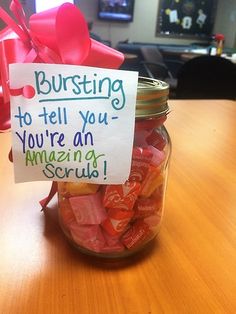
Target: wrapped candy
(117, 221)
(67, 214)
(145, 207)
(152, 181)
(158, 156)
(88, 236)
(156, 139)
(153, 221)
(140, 163)
(69, 189)
(113, 243)
(83, 209)
(140, 138)
(121, 196)
(136, 235)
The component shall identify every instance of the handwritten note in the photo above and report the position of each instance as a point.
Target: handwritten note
(72, 123)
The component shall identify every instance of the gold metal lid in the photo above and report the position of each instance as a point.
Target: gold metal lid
(152, 98)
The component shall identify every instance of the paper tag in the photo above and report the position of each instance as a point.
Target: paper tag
(72, 123)
(173, 16)
(187, 22)
(201, 18)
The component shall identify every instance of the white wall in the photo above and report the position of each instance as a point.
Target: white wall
(226, 21)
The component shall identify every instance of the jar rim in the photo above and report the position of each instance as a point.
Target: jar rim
(152, 97)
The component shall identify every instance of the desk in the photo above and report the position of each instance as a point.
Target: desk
(190, 269)
(188, 56)
(178, 52)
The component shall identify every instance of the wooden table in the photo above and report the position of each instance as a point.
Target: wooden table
(191, 268)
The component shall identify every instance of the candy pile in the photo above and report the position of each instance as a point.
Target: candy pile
(111, 219)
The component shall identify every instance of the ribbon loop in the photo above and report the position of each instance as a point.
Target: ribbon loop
(64, 30)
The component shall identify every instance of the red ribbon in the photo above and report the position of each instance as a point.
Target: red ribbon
(59, 35)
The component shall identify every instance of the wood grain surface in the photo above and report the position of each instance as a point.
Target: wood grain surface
(190, 267)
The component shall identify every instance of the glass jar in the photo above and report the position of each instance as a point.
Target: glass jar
(119, 220)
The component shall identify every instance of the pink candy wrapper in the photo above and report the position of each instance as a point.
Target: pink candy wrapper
(140, 138)
(156, 139)
(66, 212)
(88, 236)
(88, 209)
(153, 221)
(113, 243)
(158, 156)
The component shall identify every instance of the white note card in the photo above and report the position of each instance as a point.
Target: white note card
(72, 123)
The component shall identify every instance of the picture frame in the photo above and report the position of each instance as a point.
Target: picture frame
(186, 18)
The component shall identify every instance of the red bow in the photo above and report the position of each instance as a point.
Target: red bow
(59, 35)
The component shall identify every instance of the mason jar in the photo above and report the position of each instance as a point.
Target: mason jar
(119, 220)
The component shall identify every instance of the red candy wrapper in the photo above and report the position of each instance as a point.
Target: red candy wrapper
(140, 163)
(121, 196)
(145, 207)
(88, 209)
(136, 235)
(117, 221)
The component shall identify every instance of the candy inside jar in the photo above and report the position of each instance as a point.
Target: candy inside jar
(118, 220)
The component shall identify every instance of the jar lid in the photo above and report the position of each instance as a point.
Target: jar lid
(152, 98)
